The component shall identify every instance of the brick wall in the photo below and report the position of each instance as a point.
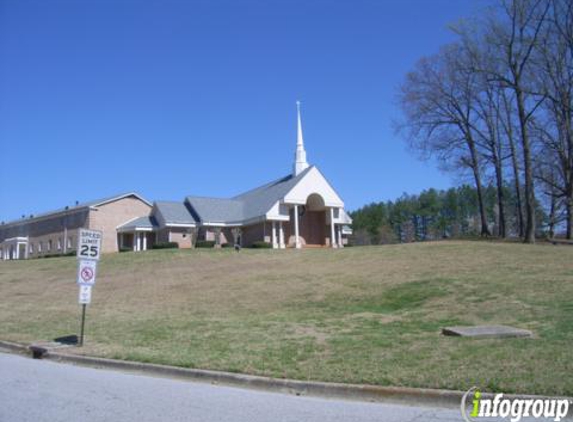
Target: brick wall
(113, 214)
(255, 233)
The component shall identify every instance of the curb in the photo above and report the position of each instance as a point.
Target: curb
(13, 347)
(370, 393)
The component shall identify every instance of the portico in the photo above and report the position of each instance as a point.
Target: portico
(313, 225)
(137, 234)
(14, 248)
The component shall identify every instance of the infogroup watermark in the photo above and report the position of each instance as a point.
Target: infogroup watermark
(513, 409)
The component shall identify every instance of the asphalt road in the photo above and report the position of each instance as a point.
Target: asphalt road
(41, 390)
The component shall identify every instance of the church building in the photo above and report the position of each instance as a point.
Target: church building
(298, 210)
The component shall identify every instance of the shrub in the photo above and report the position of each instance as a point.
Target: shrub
(165, 245)
(125, 249)
(205, 244)
(261, 245)
(227, 245)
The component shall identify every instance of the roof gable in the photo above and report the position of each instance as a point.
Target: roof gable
(146, 222)
(75, 208)
(100, 202)
(260, 200)
(173, 213)
(313, 182)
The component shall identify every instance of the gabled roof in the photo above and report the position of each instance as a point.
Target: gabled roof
(103, 201)
(175, 212)
(147, 222)
(246, 206)
(78, 207)
(216, 210)
(259, 201)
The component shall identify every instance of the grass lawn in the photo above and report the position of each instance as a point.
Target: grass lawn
(359, 315)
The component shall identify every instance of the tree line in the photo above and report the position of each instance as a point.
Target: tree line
(436, 214)
(497, 104)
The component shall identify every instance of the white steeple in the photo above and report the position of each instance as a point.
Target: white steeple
(300, 162)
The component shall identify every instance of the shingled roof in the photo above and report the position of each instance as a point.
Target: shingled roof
(259, 201)
(175, 212)
(246, 206)
(147, 222)
(216, 210)
(73, 208)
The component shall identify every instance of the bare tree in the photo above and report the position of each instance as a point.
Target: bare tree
(547, 174)
(508, 129)
(488, 129)
(555, 80)
(504, 53)
(437, 99)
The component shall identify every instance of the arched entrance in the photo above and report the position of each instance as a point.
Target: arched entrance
(313, 221)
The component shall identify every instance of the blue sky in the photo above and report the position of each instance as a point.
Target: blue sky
(175, 98)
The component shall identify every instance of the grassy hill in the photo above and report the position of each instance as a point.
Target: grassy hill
(361, 315)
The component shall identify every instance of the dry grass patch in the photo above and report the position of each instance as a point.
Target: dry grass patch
(369, 314)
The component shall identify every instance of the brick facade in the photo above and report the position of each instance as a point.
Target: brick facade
(109, 216)
(58, 233)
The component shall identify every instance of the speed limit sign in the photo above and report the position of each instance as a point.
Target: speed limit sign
(89, 244)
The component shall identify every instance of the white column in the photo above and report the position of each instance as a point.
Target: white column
(296, 238)
(281, 236)
(274, 234)
(340, 243)
(332, 236)
(134, 241)
(144, 237)
(17, 251)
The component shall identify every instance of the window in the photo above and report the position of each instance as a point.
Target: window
(59, 243)
(50, 244)
(69, 242)
(31, 248)
(40, 246)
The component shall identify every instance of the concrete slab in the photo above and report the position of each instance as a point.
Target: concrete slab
(486, 331)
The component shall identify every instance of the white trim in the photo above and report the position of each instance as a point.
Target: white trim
(135, 229)
(117, 198)
(281, 236)
(274, 235)
(297, 244)
(209, 224)
(181, 225)
(338, 203)
(127, 222)
(16, 239)
(332, 234)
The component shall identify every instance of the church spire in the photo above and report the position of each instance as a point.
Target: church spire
(300, 162)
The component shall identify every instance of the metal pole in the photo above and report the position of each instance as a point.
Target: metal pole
(81, 343)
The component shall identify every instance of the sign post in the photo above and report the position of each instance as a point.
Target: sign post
(89, 249)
